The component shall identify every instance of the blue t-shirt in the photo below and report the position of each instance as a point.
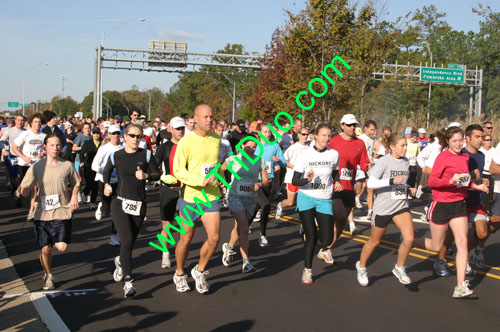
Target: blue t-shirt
(476, 161)
(269, 152)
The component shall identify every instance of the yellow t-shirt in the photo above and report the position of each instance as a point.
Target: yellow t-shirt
(412, 150)
(194, 158)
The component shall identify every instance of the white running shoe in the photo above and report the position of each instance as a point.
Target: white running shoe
(79, 197)
(307, 276)
(463, 291)
(113, 241)
(326, 255)
(128, 289)
(98, 212)
(227, 254)
(358, 203)
(478, 257)
(362, 275)
(118, 274)
(165, 260)
(145, 218)
(181, 284)
(263, 241)
(369, 215)
(48, 282)
(353, 228)
(257, 216)
(247, 267)
(279, 211)
(200, 279)
(400, 273)
(419, 192)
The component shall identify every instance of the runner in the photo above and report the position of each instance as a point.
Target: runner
(389, 177)
(87, 153)
(56, 202)
(313, 173)
(489, 151)
(292, 155)
(169, 187)
(110, 144)
(133, 167)
(352, 152)
(242, 199)
(368, 137)
(10, 158)
(80, 139)
(196, 155)
(449, 180)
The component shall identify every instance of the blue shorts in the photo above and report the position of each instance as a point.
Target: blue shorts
(53, 231)
(306, 202)
(184, 212)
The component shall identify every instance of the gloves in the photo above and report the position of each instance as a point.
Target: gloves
(168, 179)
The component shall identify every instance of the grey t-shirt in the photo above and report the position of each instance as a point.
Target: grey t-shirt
(79, 141)
(390, 199)
(9, 135)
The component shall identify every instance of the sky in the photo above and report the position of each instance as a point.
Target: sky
(64, 34)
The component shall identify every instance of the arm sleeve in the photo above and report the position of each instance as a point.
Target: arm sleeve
(297, 179)
(160, 154)
(180, 166)
(374, 183)
(19, 141)
(153, 171)
(108, 169)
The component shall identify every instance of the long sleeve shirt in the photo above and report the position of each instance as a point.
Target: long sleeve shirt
(101, 158)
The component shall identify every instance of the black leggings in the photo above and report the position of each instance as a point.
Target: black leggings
(90, 184)
(106, 202)
(325, 223)
(128, 227)
(263, 202)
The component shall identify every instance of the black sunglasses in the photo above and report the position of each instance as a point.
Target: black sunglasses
(134, 136)
(304, 134)
(350, 125)
(488, 127)
(487, 140)
(115, 133)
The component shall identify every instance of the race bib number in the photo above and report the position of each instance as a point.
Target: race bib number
(245, 188)
(50, 202)
(269, 166)
(346, 174)
(412, 160)
(131, 207)
(13, 161)
(318, 186)
(206, 168)
(464, 180)
(399, 191)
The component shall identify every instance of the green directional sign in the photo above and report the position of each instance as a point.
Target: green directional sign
(454, 66)
(443, 75)
(13, 104)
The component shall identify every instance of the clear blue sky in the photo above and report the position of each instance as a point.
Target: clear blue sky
(65, 34)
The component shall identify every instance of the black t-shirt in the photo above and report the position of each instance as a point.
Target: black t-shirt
(234, 137)
(163, 135)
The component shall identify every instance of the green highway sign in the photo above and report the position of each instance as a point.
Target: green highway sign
(443, 75)
(13, 104)
(454, 66)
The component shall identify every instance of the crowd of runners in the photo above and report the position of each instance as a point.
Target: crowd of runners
(323, 171)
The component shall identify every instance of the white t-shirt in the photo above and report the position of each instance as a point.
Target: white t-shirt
(488, 157)
(496, 159)
(323, 164)
(291, 155)
(30, 144)
(368, 144)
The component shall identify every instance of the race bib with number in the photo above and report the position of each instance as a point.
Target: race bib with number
(399, 191)
(346, 174)
(245, 188)
(317, 185)
(131, 207)
(464, 180)
(269, 166)
(50, 202)
(14, 161)
(206, 168)
(412, 160)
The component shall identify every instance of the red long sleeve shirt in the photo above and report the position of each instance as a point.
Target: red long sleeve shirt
(446, 165)
(351, 154)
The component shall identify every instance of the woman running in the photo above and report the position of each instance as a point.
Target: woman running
(242, 199)
(87, 154)
(389, 176)
(314, 173)
(449, 181)
(133, 167)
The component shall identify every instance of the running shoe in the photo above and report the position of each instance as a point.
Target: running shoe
(98, 212)
(181, 284)
(463, 291)
(227, 254)
(118, 274)
(31, 216)
(279, 211)
(358, 203)
(247, 267)
(478, 257)
(92, 206)
(400, 273)
(257, 216)
(165, 260)
(145, 218)
(468, 270)
(200, 279)
(353, 228)
(48, 283)
(419, 192)
(362, 275)
(128, 289)
(326, 255)
(84, 199)
(113, 241)
(369, 214)
(440, 268)
(263, 241)
(307, 276)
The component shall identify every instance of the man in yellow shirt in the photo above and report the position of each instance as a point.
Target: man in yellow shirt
(197, 154)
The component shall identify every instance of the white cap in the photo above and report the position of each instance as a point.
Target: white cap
(349, 119)
(114, 129)
(454, 124)
(422, 131)
(177, 122)
(77, 115)
(142, 117)
(67, 124)
(106, 124)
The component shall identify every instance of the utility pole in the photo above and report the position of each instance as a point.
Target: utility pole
(63, 78)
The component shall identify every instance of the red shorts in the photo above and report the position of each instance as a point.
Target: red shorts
(291, 188)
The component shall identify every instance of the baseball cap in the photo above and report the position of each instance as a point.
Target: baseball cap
(77, 115)
(408, 130)
(454, 124)
(349, 119)
(118, 118)
(142, 117)
(241, 124)
(67, 124)
(422, 131)
(114, 129)
(106, 124)
(177, 122)
(96, 130)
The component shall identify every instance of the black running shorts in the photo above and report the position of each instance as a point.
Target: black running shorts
(441, 213)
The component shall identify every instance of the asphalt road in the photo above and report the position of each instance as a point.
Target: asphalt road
(271, 299)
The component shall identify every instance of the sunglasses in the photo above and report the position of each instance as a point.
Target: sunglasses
(135, 136)
(488, 127)
(115, 133)
(487, 140)
(350, 125)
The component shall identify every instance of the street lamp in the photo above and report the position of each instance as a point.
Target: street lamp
(430, 84)
(234, 93)
(26, 73)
